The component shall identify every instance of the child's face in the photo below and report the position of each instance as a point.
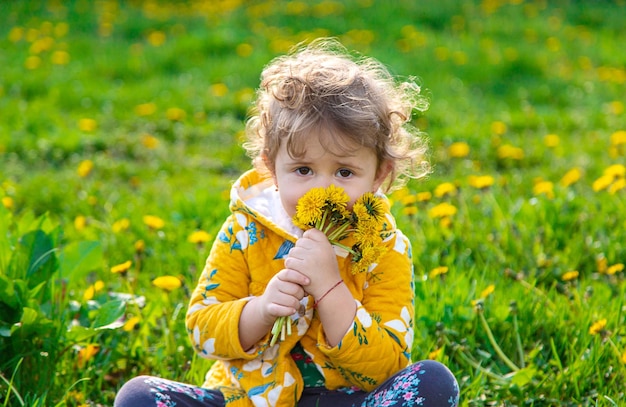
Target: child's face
(355, 173)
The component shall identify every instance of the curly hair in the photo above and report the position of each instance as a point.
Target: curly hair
(355, 100)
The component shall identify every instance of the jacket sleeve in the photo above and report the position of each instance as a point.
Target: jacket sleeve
(380, 339)
(221, 293)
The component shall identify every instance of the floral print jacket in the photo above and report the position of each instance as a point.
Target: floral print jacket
(248, 251)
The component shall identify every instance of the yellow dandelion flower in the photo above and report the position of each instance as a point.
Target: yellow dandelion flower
(310, 208)
(424, 196)
(167, 283)
(156, 38)
(199, 236)
(544, 188)
(616, 268)
(408, 200)
(140, 246)
(509, 151)
(219, 90)
(244, 49)
(87, 125)
(434, 354)
(624, 358)
(60, 58)
(459, 149)
(120, 225)
(145, 109)
(84, 168)
(571, 177)
(445, 189)
(602, 183)
(551, 140)
(131, 323)
(618, 138)
(488, 291)
(442, 210)
(437, 271)
(8, 202)
(87, 353)
(615, 171)
(121, 268)
(480, 181)
(175, 114)
(149, 141)
(601, 265)
(597, 327)
(570, 275)
(617, 186)
(409, 210)
(153, 222)
(32, 62)
(80, 222)
(91, 291)
(498, 128)
(374, 208)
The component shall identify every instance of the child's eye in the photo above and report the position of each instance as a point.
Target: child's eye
(303, 170)
(344, 173)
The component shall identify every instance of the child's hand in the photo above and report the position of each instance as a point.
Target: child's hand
(282, 295)
(314, 257)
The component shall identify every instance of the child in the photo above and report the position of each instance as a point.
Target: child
(321, 118)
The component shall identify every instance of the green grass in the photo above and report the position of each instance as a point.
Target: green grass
(499, 73)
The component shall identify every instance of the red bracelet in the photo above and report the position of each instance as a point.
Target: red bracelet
(316, 303)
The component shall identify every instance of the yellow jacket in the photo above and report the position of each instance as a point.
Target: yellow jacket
(248, 251)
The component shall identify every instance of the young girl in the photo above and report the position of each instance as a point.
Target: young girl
(322, 118)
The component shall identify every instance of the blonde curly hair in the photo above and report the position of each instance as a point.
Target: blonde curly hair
(356, 100)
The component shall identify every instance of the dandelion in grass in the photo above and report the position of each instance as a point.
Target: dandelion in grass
(424, 196)
(131, 323)
(571, 177)
(153, 222)
(8, 202)
(616, 268)
(85, 354)
(443, 210)
(545, 188)
(480, 181)
(459, 149)
(438, 271)
(570, 275)
(551, 140)
(84, 168)
(167, 283)
(445, 189)
(597, 327)
(121, 268)
(617, 186)
(91, 291)
(325, 209)
(199, 237)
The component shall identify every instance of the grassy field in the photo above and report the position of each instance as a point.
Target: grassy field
(120, 125)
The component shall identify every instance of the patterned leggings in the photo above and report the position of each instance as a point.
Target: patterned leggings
(426, 383)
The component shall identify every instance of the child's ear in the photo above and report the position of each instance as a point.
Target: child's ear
(384, 169)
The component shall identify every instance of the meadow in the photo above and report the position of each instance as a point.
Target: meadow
(120, 130)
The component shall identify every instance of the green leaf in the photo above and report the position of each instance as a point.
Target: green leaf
(79, 258)
(80, 334)
(109, 315)
(524, 376)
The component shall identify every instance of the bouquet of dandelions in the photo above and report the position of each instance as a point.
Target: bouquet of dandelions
(325, 209)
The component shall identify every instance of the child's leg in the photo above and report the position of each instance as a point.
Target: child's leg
(148, 391)
(425, 383)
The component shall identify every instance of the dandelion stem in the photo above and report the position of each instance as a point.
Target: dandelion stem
(495, 345)
(518, 342)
